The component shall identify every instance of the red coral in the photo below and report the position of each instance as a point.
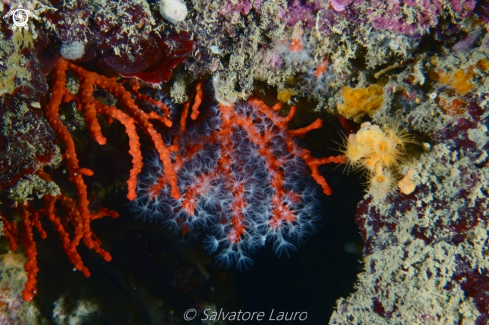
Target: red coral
(243, 178)
(77, 212)
(29, 218)
(267, 137)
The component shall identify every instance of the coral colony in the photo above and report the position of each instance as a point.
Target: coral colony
(242, 174)
(239, 170)
(215, 98)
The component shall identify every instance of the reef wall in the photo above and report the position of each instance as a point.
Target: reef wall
(163, 68)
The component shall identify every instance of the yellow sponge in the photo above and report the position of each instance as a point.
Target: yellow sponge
(359, 101)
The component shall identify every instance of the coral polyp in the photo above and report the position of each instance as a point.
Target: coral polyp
(377, 152)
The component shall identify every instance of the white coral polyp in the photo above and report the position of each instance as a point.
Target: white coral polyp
(173, 10)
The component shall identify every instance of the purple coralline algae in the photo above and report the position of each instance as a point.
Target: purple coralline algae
(241, 7)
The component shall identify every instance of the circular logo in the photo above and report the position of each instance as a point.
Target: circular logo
(190, 314)
(20, 18)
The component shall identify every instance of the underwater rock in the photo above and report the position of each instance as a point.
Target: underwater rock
(122, 36)
(431, 242)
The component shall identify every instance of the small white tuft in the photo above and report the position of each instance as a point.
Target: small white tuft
(72, 50)
(173, 10)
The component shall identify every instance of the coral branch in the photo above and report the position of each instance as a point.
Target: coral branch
(90, 108)
(11, 232)
(197, 102)
(77, 212)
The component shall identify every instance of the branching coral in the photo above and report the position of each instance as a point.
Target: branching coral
(77, 212)
(242, 175)
(250, 133)
(77, 215)
(90, 108)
